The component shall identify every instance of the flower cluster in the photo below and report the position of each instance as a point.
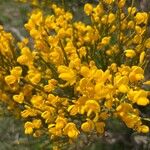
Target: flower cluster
(72, 76)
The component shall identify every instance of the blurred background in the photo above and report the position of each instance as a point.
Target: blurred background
(13, 16)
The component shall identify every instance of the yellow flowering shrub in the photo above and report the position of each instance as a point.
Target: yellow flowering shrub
(72, 76)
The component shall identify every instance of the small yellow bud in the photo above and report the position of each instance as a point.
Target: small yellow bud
(147, 43)
(105, 40)
(132, 10)
(130, 53)
(144, 129)
(121, 3)
(111, 18)
(131, 24)
(142, 56)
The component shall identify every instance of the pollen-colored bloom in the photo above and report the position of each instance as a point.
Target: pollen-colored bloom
(34, 77)
(105, 40)
(143, 101)
(147, 43)
(88, 8)
(111, 18)
(37, 123)
(143, 129)
(67, 74)
(60, 122)
(141, 17)
(130, 53)
(71, 130)
(28, 127)
(136, 74)
(10, 79)
(37, 100)
(100, 127)
(91, 106)
(121, 3)
(19, 98)
(87, 126)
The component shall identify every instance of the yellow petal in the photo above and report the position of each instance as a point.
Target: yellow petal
(143, 101)
(10, 79)
(147, 83)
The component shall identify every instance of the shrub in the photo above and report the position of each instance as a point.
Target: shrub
(69, 77)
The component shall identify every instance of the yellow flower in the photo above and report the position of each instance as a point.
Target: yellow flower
(60, 122)
(131, 120)
(141, 17)
(122, 83)
(121, 3)
(19, 98)
(35, 34)
(104, 115)
(34, 77)
(104, 19)
(85, 71)
(123, 88)
(73, 110)
(111, 18)
(54, 131)
(147, 43)
(71, 130)
(50, 86)
(46, 114)
(37, 100)
(147, 83)
(132, 10)
(10, 79)
(23, 59)
(105, 40)
(26, 57)
(28, 127)
(139, 97)
(139, 30)
(16, 71)
(131, 24)
(67, 74)
(143, 101)
(87, 126)
(88, 8)
(136, 74)
(129, 115)
(130, 53)
(91, 106)
(37, 123)
(143, 129)
(28, 112)
(98, 10)
(100, 127)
